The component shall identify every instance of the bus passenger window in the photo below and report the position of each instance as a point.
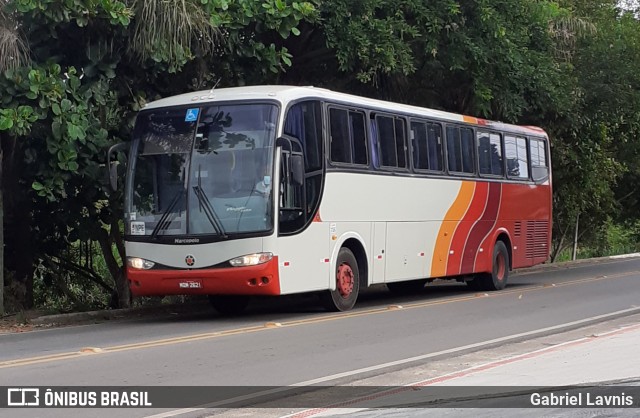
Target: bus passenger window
(538, 157)
(340, 146)
(419, 145)
(427, 146)
(348, 138)
(392, 141)
(435, 146)
(359, 138)
(454, 158)
(538, 153)
(516, 153)
(468, 145)
(460, 146)
(401, 143)
(490, 154)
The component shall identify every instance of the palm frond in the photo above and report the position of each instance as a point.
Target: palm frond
(14, 50)
(566, 30)
(174, 25)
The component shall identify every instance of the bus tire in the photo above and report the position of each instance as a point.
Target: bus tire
(406, 288)
(228, 305)
(497, 279)
(347, 277)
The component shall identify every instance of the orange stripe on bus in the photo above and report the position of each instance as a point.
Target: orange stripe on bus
(475, 121)
(448, 227)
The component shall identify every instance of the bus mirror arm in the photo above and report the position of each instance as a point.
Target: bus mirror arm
(113, 165)
(292, 146)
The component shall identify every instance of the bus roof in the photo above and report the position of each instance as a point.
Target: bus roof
(286, 94)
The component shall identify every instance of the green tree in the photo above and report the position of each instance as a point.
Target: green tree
(94, 64)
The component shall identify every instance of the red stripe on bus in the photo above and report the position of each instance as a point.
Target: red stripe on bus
(476, 208)
(481, 228)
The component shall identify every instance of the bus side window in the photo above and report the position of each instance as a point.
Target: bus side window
(460, 150)
(467, 145)
(392, 141)
(348, 137)
(340, 149)
(359, 139)
(538, 156)
(434, 146)
(427, 145)
(516, 154)
(490, 154)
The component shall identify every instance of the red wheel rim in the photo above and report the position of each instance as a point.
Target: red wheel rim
(344, 280)
(500, 266)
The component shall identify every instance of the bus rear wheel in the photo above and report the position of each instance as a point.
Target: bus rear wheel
(347, 277)
(497, 279)
(229, 304)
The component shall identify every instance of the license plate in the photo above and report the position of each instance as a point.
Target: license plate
(191, 284)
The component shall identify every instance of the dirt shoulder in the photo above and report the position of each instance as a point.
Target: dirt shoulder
(37, 319)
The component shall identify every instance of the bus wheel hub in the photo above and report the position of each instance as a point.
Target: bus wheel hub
(344, 280)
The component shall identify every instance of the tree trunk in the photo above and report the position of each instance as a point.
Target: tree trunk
(20, 247)
(558, 248)
(117, 272)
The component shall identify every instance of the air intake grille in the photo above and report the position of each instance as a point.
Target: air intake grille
(537, 237)
(517, 229)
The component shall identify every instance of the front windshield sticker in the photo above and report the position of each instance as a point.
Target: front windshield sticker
(137, 228)
(192, 115)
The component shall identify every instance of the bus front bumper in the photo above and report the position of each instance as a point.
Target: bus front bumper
(261, 279)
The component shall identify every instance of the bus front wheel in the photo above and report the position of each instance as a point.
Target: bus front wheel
(497, 279)
(229, 304)
(347, 277)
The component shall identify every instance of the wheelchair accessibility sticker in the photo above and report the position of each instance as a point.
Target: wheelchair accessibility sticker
(192, 115)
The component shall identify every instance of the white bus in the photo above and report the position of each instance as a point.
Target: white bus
(274, 190)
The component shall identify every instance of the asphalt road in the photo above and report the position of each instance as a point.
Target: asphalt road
(291, 340)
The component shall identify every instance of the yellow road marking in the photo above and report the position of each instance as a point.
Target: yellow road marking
(293, 323)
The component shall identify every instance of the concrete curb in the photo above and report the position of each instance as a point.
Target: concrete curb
(568, 264)
(118, 314)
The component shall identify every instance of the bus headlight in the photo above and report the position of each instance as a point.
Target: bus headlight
(251, 259)
(140, 263)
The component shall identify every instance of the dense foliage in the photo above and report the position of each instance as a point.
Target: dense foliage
(73, 74)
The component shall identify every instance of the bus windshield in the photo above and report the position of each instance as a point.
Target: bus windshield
(202, 171)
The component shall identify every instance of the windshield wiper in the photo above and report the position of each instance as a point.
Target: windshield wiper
(164, 222)
(209, 211)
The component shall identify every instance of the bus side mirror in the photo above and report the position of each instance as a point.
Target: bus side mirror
(113, 165)
(297, 169)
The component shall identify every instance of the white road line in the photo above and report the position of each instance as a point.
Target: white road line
(336, 376)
